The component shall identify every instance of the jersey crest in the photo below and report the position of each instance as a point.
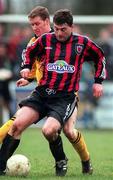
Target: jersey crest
(79, 48)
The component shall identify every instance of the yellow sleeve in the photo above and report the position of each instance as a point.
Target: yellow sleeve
(39, 71)
(33, 39)
(32, 74)
(36, 71)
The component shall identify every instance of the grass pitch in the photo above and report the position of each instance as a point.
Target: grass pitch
(35, 147)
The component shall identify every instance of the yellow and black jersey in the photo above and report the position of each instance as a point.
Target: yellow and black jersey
(36, 71)
(37, 67)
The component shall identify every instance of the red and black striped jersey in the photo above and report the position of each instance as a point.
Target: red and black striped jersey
(63, 60)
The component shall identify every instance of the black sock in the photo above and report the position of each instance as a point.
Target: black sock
(7, 149)
(56, 148)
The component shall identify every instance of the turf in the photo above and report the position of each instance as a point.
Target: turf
(35, 147)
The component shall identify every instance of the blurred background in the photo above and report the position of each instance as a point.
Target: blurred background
(91, 18)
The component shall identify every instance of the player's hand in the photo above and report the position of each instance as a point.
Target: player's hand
(97, 90)
(22, 82)
(25, 72)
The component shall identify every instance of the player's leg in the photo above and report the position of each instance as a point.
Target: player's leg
(59, 108)
(50, 131)
(78, 142)
(5, 128)
(24, 117)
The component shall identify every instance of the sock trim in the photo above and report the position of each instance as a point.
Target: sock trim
(13, 118)
(77, 139)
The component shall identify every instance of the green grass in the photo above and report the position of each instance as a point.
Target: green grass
(35, 147)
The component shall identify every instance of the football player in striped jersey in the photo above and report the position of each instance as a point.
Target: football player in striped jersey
(67, 113)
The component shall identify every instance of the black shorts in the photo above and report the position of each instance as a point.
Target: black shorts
(59, 107)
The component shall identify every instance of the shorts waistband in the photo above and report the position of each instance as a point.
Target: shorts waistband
(48, 92)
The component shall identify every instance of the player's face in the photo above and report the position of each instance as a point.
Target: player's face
(63, 31)
(39, 25)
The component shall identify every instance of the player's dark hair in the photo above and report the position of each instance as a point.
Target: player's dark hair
(63, 16)
(39, 11)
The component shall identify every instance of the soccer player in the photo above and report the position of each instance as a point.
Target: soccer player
(63, 54)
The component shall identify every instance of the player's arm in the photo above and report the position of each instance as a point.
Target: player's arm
(97, 90)
(27, 77)
(25, 73)
(28, 71)
(32, 51)
(96, 55)
(22, 82)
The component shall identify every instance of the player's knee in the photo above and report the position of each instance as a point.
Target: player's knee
(16, 129)
(68, 133)
(48, 132)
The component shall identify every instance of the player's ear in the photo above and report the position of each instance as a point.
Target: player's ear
(72, 26)
(47, 21)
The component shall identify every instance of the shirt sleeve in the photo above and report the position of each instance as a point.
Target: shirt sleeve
(31, 52)
(95, 53)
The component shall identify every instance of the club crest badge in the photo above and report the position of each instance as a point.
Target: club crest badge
(79, 48)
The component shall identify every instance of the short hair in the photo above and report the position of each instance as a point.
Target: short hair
(63, 16)
(39, 11)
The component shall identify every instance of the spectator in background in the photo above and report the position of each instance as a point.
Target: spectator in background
(77, 29)
(2, 36)
(5, 76)
(13, 42)
(26, 35)
(2, 6)
(89, 103)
